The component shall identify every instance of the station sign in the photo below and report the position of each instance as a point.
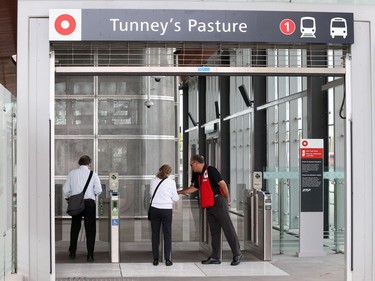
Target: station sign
(200, 26)
(311, 175)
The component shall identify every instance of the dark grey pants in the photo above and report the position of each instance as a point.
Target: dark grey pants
(218, 218)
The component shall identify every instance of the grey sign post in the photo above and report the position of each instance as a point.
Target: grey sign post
(311, 202)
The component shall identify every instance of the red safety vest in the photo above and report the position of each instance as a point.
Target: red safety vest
(206, 194)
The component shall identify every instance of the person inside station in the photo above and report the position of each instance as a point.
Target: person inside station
(74, 184)
(214, 196)
(163, 193)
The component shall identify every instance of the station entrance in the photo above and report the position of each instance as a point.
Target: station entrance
(134, 107)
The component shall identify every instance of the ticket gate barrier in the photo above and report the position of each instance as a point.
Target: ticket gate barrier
(258, 214)
(114, 218)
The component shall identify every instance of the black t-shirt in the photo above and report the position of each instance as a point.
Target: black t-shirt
(213, 175)
(194, 178)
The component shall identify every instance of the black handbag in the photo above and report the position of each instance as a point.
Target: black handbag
(76, 203)
(153, 195)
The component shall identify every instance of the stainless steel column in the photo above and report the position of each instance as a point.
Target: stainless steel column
(265, 224)
(259, 215)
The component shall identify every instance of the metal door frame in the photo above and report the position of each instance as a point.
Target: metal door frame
(205, 71)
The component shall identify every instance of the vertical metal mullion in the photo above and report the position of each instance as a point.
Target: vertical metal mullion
(95, 125)
(95, 112)
(52, 160)
(349, 245)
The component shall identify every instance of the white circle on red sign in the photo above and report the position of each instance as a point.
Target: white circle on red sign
(287, 26)
(305, 143)
(65, 24)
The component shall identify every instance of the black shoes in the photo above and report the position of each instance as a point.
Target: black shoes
(236, 260)
(211, 261)
(72, 256)
(167, 262)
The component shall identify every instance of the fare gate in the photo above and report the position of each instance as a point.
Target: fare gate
(258, 210)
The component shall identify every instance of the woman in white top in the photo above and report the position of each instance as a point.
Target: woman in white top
(161, 212)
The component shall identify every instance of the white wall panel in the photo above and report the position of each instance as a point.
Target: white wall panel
(362, 155)
(33, 217)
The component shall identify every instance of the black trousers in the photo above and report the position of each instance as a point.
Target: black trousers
(89, 214)
(161, 217)
(218, 218)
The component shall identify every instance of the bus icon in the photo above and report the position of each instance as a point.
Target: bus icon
(338, 27)
(308, 27)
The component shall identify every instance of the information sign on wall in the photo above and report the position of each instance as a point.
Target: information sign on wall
(311, 175)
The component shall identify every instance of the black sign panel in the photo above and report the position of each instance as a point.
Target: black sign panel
(311, 175)
(215, 26)
(311, 185)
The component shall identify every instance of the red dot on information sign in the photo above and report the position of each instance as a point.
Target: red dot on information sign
(305, 143)
(65, 24)
(287, 26)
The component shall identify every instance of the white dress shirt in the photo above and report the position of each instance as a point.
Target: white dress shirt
(76, 181)
(165, 195)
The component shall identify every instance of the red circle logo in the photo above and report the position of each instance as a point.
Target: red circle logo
(287, 26)
(304, 143)
(65, 24)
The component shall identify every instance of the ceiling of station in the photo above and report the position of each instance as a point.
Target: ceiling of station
(8, 44)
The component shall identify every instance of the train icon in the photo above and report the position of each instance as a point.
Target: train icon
(308, 27)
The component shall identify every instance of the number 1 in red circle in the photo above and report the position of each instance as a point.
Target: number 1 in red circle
(287, 26)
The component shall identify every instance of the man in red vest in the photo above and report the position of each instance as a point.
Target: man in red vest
(214, 196)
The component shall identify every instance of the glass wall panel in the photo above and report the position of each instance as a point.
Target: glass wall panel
(67, 153)
(118, 117)
(134, 156)
(106, 118)
(60, 202)
(132, 117)
(74, 117)
(7, 250)
(282, 172)
(124, 85)
(279, 174)
(74, 85)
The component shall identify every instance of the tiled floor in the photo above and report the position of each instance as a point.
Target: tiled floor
(188, 269)
(136, 265)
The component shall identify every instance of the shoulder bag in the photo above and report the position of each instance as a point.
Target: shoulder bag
(76, 203)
